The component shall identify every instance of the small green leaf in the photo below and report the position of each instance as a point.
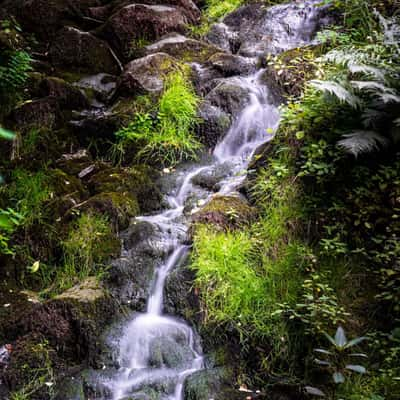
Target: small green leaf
(358, 355)
(35, 267)
(5, 134)
(314, 391)
(340, 337)
(323, 351)
(330, 338)
(300, 135)
(338, 377)
(356, 368)
(355, 341)
(322, 362)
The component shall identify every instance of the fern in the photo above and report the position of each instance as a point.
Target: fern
(359, 142)
(14, 74)
(338, 90)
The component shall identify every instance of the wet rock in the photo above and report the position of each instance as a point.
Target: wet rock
(183, 48)
(82, 52)
(119, 206)
(225, 212)
(68, 192)
(230, 64)
(230, 95)
(137, 22)
(213, 125)
(98, 87)
(210, 384)
(145, 75)
(67, 96)
(224, 37)
(181, 298)
(166, 352)
(211, 177)
(257, 30)
(41, 113)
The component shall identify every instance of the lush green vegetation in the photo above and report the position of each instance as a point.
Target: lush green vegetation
(324, 251)
(167, 137)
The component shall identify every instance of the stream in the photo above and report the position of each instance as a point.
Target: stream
(290, 26)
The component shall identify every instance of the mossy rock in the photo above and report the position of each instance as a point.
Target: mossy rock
(138, 181)
(146, 75)
(183, 49)
(41, 145)
(225, 212)
(74, 163)
(211, 384)
(68, 192)
(119, 206)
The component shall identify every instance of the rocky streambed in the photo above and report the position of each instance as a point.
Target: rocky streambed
(135, 335)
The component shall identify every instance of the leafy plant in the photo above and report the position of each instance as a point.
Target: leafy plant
(319, 308)
(338, 359)
(9, 222)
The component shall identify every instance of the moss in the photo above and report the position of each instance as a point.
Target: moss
(225, 212)
(125, 108)
(119, 206)
(138, 181)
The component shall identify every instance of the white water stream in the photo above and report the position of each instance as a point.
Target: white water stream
(150, 333)
(152, 328)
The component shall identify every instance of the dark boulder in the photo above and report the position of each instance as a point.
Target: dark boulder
(213, 125)
(145, 75)
(140, 22)
(68, 96)
(46, 17)
(230, 95)
(230, 64)
(41, 113)
(82, 52)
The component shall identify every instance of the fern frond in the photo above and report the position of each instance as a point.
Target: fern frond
(389, 98)
(377, 73)
(359, 142)
(372, 116)
(336, 89)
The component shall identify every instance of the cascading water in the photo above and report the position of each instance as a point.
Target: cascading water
(142, 364)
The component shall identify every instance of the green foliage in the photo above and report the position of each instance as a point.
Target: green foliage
(10, 220)
(28, 193)
(168, 137)
(89, 243)
(339, 358)
(39, 377)
(319, 309)
(14, 70)
(216, 9)
(230, 288)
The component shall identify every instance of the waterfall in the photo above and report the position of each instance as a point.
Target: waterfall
(145, 339)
